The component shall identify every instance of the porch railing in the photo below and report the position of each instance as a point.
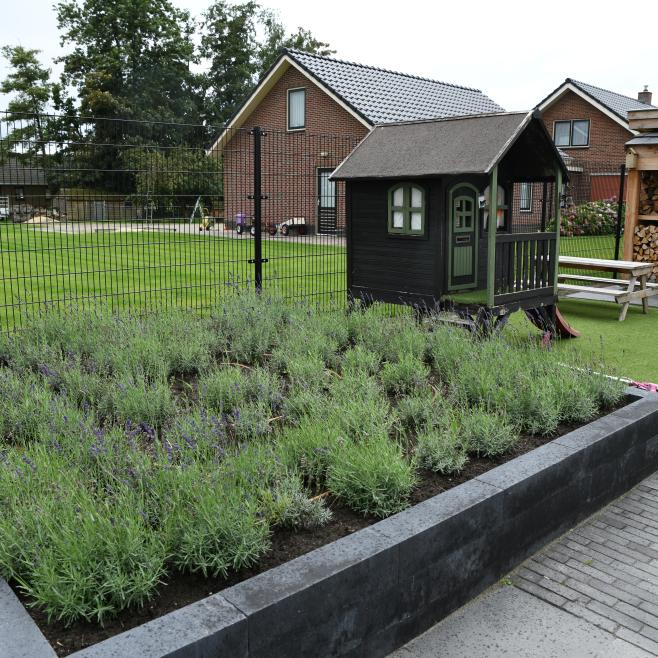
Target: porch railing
(525, 263)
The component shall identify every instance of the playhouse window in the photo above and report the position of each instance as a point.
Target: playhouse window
(296, 109)
(406, 210)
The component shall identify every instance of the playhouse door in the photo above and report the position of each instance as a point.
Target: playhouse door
(326, 202)
(462, 238)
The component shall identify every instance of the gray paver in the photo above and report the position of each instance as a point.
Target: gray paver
(592, 592)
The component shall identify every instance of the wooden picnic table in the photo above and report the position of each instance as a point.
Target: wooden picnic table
(634, 288)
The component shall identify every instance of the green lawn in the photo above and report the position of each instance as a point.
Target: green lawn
(626, 349)
(165, 268)
(152, 269)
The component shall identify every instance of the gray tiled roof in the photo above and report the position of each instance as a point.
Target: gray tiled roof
(616, 103)
(382, 96)
(14, 172)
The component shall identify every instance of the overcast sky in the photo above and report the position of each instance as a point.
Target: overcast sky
(515, 55)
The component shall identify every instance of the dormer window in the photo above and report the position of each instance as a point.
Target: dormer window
(296, 109)
(406, 210)
(571, 133)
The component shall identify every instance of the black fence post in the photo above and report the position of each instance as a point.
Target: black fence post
(620, 206)
(258, 197)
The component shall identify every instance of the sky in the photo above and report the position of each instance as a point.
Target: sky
(505, 48)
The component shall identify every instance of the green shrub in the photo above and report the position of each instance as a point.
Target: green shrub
(136, 400)
(301, 401)
(359, 360)
(228, 388)
(590, 218)
(441, 449)
(218, 529)
(358, 408)
(26, 407)
(246, 326)
(487, 433)
(608, 392)
(308, 448)
(75, 556)
(371, 476)
(575, 399)
(289, 506)
(406, 374)
(421, 410)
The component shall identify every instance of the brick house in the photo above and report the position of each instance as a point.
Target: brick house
(590, 126)
(315, 110)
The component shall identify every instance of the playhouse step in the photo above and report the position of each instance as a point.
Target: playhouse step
(451, 318)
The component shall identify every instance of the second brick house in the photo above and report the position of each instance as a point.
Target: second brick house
(315, 110)
(589, 125)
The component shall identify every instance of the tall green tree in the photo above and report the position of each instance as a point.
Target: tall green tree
(239, 42)
(276, 39)
(129, 58)
(28, 82)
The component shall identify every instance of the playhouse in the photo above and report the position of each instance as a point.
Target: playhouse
(421, 197)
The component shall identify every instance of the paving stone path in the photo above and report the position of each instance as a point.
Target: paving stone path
(606, 569)
(595, 590)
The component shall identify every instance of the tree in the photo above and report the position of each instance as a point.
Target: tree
(29, 83)
(130, 58)
(229, 45)
(276, 39)
(237, 57)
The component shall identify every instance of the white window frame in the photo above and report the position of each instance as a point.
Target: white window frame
(529, 188)
(571, 145)
(288, 92)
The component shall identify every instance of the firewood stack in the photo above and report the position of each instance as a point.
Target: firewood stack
(649, 193)
(645, 238)
(645, 245)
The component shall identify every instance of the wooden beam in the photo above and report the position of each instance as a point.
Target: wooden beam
(491, 236)
(647, 162)
(632, 210)
(558, 198)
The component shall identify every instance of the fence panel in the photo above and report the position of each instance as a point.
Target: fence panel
(146, 215)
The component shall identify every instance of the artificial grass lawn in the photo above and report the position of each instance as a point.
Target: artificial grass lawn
(625, 349)
(152, 269)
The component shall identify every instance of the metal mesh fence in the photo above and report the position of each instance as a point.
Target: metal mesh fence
(145, 215)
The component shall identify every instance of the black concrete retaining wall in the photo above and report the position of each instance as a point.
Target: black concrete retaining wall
(370, 592)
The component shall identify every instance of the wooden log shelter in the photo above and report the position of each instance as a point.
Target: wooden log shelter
(641, 227)
(419, 200)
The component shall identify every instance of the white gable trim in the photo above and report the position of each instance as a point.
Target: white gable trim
(568, 86)
(264, 88)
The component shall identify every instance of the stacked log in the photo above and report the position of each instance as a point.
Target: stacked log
(645, 245)
(649, 193)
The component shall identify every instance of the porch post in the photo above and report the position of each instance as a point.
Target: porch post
(491, 236)
(558, 195)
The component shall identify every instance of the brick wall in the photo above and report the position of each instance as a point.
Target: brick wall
(606, 137)
(290, 160)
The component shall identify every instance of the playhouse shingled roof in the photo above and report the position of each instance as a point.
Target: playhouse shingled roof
(382, 96)
(463, 145)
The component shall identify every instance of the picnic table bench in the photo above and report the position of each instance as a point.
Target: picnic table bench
(634, 288)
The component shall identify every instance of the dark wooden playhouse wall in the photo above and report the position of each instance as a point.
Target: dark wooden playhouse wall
(402, 269)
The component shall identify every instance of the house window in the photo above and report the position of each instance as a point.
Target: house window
(571, 133)
(525, 197)
(296, 109)
(406, 210)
